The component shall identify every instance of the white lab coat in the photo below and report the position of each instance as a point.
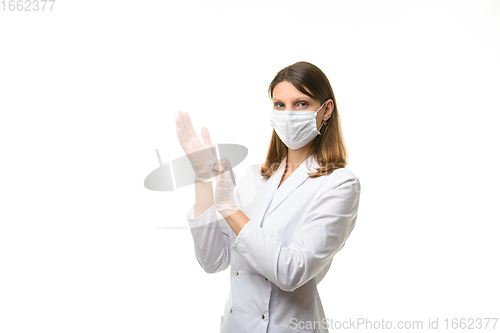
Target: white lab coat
(283, 252)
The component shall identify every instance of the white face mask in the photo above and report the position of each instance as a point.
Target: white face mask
(295, 128)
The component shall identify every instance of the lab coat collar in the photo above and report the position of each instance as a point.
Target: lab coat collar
(298, 177)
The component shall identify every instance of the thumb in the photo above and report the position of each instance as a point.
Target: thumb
(228, 173)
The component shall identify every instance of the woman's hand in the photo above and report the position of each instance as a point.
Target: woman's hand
(200, 155)
(224, 189)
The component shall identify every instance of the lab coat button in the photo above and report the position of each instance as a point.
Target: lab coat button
(263, 317)
(231, 310)
(267, 279)
(237, 273)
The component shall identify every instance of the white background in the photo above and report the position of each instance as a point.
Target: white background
(89, 90)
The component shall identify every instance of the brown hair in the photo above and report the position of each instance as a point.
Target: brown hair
(329, 147)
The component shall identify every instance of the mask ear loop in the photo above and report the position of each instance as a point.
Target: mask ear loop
(322, 122)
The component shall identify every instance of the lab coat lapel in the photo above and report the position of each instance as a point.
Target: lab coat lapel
(298, 177)
(268, 192)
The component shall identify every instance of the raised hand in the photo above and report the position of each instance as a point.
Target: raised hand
(201, 154)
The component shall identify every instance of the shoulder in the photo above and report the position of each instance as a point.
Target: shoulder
(256, 168)
(251, 173)
(344, 175)
(339, 179)
(346, 181)
(253, 170)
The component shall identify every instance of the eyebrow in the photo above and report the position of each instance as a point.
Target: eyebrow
(296, 100)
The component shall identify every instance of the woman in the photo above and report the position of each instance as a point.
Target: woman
(292, 213)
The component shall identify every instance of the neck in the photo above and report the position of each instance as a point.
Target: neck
(296, 157)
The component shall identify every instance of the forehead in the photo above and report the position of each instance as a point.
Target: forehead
(286, 90)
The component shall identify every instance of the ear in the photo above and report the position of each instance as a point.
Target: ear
(329, 107)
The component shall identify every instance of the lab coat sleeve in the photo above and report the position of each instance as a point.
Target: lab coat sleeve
(211, 239)
(327, 225)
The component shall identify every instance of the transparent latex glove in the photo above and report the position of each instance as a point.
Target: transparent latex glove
(224, 189)
(201, 155)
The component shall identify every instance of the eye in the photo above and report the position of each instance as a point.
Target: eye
(302, 105)
(278, 104)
